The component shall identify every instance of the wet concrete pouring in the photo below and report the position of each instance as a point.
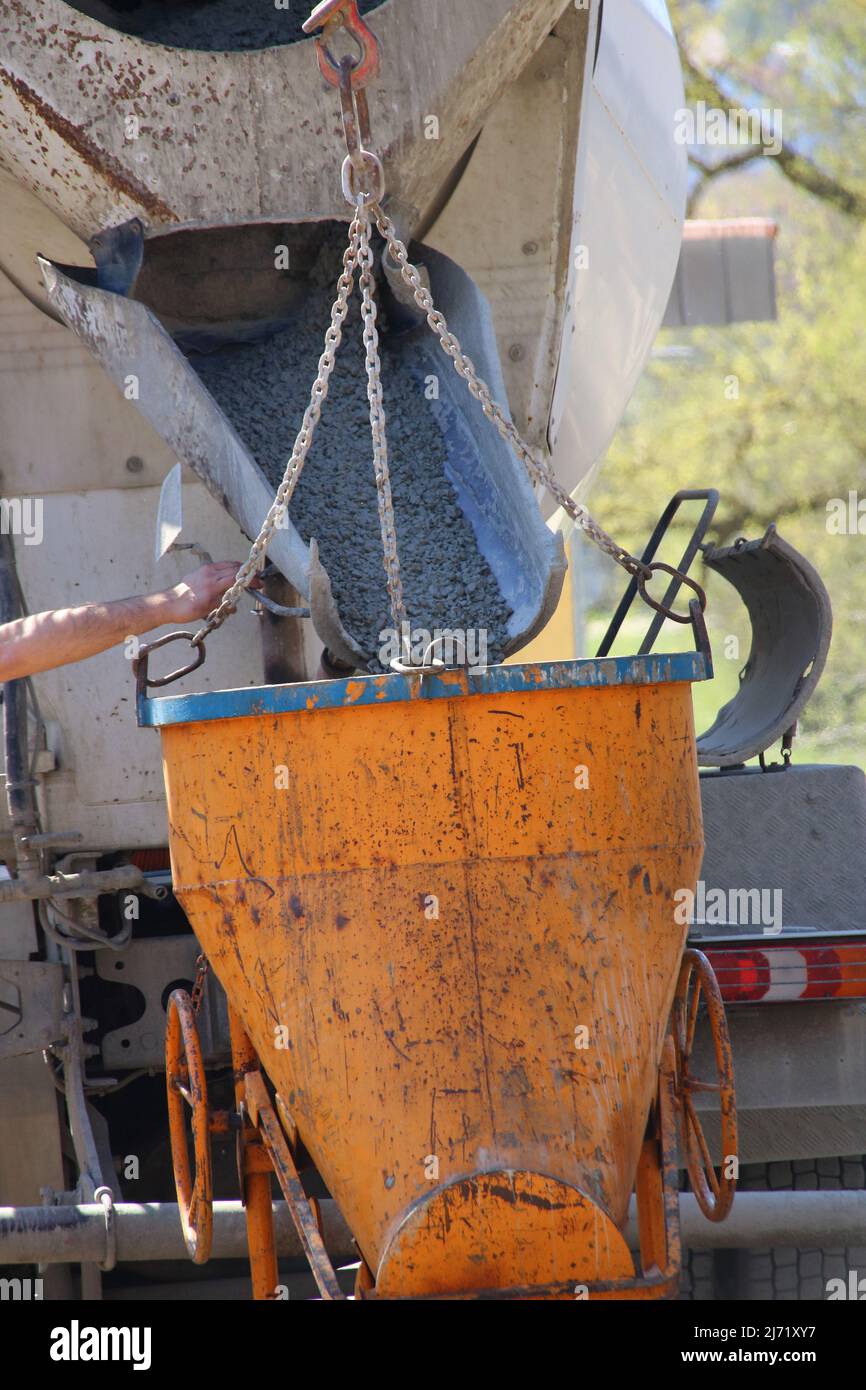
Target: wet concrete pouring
(263, 388)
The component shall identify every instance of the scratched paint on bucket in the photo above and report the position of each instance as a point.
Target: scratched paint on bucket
(453, 1033)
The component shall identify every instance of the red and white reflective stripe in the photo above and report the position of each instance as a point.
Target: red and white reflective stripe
(779, 974)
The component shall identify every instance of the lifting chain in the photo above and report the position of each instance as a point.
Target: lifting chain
(364, 187)
(201, 969)
(318, 394)
(538, 469)
(377, 424)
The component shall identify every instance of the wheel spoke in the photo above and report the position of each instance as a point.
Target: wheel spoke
(693, 1016)
(697, 983)
(186, 1082)
(698, 1138)
(692, 1083)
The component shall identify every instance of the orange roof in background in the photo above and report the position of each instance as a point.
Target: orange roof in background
(704, 228)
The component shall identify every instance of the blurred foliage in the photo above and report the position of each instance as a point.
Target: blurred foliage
(772, 413)
(806, 57)
(802, 58)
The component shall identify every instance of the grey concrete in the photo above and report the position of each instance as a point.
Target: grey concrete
(263, 389)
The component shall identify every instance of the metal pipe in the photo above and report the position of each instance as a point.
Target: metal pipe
(255, 1176)
(91, 1174)
(761, 1219)
(147, 1231)
(283, 657)
(87, 884)
(19, 784)
(151, 1230)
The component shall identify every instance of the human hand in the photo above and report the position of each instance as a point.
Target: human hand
(200, 592)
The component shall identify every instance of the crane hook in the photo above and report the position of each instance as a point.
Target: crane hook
(330, 16)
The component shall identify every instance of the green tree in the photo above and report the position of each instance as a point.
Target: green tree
(772, 413)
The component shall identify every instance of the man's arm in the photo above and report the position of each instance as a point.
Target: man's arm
(45, 640)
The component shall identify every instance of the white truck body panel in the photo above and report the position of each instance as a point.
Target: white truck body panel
(629, 206)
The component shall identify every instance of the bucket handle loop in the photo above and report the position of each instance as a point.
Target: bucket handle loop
(143, 682)
(681, 578)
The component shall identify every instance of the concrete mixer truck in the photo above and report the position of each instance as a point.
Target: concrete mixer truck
(180, 183)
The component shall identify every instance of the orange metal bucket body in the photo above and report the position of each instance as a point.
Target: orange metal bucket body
(444, 909)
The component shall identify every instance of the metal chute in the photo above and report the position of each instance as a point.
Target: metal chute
(492, 490)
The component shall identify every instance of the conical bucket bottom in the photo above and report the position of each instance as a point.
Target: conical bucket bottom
(454, 956)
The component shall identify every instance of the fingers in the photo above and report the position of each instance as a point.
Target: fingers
(220, 568)
(215, 572)
(213, 579)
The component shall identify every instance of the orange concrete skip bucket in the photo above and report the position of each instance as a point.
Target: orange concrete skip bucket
(443, 908)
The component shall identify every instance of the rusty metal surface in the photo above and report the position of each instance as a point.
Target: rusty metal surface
(658, 1221)
(657, 1180)
(185, 1082)
(697, 985)
(254, 1173)
(212, 146)
(399, 687)
(511, 1221)
(655, 1286)
(452, 1037)
(306, 1222)
(331, 17)
(229, 138)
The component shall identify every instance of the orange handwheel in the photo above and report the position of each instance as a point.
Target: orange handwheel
(185, 1082)
(713, 1191)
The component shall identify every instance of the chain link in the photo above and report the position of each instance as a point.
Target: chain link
(359, 255)
(539, 470)
(387, 524)
(202, 968)
(303, 442)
